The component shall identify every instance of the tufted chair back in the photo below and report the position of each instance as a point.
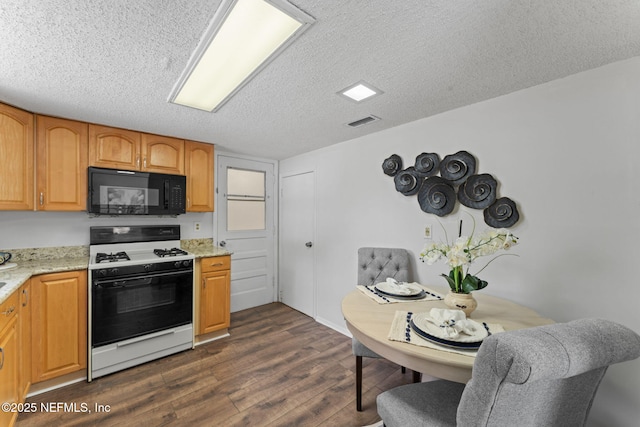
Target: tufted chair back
(377, 264)
(546, 376)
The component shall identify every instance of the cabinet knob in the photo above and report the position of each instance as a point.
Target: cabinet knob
(41, 198)
(9, 311)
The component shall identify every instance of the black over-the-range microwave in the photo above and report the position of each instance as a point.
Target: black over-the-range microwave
(122, 192)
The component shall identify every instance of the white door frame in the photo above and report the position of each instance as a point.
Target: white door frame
(218, 196)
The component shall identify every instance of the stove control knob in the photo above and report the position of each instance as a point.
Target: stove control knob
(113, 271)
(177, 264)
(186, 262)
(102, 272)
(148, 267)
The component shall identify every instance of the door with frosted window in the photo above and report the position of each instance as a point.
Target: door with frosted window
(246, 228)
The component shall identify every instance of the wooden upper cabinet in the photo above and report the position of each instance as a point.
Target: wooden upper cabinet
(114, 148)
(129, 150)
(61, 164)
(16, 159)
(162, 154)
(200, 178)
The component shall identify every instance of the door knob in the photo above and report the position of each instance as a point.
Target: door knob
(223, 243)
(308, 244)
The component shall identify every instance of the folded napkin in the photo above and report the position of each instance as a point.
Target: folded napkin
(401, 331)
(399, 288)
(372, 293)
(452, 322)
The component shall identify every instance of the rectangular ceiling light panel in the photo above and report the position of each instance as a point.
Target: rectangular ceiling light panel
(243, 37)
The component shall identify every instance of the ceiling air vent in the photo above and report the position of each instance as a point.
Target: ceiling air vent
(363, 121)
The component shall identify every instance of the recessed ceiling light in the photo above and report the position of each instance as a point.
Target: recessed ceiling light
(241, 40)
(360, 91)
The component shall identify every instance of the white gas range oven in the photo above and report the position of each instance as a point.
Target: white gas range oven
(140, 296)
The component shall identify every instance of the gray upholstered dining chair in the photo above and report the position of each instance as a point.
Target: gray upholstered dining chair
(376, 265)
(542, 376)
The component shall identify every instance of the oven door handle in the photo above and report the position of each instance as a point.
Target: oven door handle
(127, 283)
(139, 281)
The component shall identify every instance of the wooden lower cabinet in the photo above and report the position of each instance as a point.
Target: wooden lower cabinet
(9, 361)
(59, 324)
(215, 294)
(24, 340)
(9, 371)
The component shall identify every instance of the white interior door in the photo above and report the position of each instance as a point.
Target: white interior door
(245, 226)
(297, 232)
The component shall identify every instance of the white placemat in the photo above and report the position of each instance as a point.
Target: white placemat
(401, 331)
(380, 298)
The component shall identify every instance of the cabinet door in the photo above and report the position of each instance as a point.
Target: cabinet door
(199, 171)
(59, 324)
(16, 159)
(9, 370)
(162, 154)
(114, 148)
(215, 301)
(62, 160)
(24, 340)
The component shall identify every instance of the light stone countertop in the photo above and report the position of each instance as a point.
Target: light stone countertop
(34, 261)
(203, 248)
(15, 277)
(209, 251)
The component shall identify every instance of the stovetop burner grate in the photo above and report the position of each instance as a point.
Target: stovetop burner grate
(111, 257)
(169, 252)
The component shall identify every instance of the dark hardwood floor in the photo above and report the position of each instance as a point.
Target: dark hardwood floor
(278, 368)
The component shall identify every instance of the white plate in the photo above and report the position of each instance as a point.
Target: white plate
(8, 265)
(425, 323)
(411, 289)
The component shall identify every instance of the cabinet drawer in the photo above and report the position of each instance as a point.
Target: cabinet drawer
(215, 263)
(9, 308)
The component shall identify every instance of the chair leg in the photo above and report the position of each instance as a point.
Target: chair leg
(359, 383)
(417, 377)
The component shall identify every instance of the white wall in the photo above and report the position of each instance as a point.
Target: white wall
(566, 152)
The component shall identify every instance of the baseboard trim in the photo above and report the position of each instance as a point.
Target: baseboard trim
(342, 329)
(211, 336)
(56, 383)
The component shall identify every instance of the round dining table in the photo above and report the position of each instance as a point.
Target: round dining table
(370, 322)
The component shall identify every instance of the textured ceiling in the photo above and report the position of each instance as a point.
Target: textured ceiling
(115, 62)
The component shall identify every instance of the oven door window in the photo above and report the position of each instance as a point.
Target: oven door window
(127, 308)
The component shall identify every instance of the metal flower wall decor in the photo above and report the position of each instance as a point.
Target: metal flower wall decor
(457, 181)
